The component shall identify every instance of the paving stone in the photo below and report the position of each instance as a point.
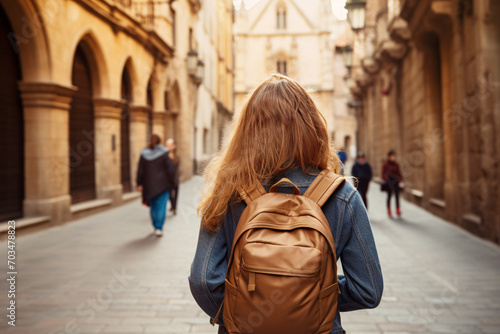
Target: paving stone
(491, 329)
(123, 329)
(200, 328)
(174, 328)
(88, 329)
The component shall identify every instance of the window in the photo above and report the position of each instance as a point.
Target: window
(205, 141)
(191, 39)
(167, 105)
(281, 17)
(281, 67)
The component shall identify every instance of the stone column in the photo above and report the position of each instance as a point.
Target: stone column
(159, 120)
(138, 136)
(107, 115)
(46, 142)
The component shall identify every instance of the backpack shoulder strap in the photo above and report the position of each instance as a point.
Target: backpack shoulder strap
(324, 186)
(249, 196)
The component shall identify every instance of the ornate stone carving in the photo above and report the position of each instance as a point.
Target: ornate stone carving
(392, 49)
(398, 29)
(370, 65)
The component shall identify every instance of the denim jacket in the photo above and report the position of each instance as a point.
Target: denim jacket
(361, 284)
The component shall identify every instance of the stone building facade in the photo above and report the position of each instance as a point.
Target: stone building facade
(85, 83)
(214, 111)
(298, 39)
(428, 75)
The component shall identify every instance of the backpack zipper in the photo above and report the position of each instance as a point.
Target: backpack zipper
(252, 270)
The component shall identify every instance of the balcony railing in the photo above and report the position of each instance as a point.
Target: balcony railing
(152, 15)
(147, 12)
(124, 3)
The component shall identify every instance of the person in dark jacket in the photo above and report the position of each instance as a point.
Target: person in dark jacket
(391, 173)
(174, 193)
(155, 178)
(362, 171)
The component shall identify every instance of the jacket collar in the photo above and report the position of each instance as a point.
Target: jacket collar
(296, 175)
(152, 154)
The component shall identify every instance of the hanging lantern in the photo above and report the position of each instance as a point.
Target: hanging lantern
(356, 10)
(192, 62)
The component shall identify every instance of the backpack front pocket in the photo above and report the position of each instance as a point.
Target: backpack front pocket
(278, 288)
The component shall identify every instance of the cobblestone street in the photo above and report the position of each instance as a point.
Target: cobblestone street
(108, 273)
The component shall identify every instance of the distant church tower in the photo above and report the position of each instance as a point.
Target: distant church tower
(295, 38)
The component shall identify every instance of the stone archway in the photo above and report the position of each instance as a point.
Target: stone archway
(11, 127)
(126, 95)
(173, 107)
(435, 171)
(81, 131)
(92, 49)
(89, 123)
(28, 38)
(436, 43)
(26, 71)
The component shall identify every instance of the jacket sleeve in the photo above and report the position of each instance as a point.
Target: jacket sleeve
(170, 168)
(140, 173)
(370, 172)
(384, 172)
(208, 271)
(361, 285)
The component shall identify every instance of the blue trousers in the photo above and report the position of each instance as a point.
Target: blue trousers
(158, 206)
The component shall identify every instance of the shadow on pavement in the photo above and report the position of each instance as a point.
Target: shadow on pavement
(138, 245)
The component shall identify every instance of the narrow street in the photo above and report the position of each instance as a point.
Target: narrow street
(108, 273)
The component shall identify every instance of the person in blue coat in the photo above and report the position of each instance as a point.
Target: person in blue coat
(155, 179)
(343, 158)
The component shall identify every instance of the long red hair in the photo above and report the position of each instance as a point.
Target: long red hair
(279, 127)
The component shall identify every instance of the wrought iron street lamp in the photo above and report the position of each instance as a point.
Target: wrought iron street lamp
(192, 62)
(356, 14)
(200, 70)
(347, 54)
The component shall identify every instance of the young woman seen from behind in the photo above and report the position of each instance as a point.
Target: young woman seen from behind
(280, 133)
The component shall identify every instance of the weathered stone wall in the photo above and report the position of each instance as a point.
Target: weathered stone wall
(114, 40)
(441, 111)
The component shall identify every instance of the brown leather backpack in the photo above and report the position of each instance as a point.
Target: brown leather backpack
(282, 274)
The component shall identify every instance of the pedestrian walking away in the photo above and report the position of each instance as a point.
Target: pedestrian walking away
(391, 174)
(276, 216)
(343, 159)
(174, 192)
(155, 178)
(362, 171)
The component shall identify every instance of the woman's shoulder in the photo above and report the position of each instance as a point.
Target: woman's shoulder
(345, 191)
(345, 199)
